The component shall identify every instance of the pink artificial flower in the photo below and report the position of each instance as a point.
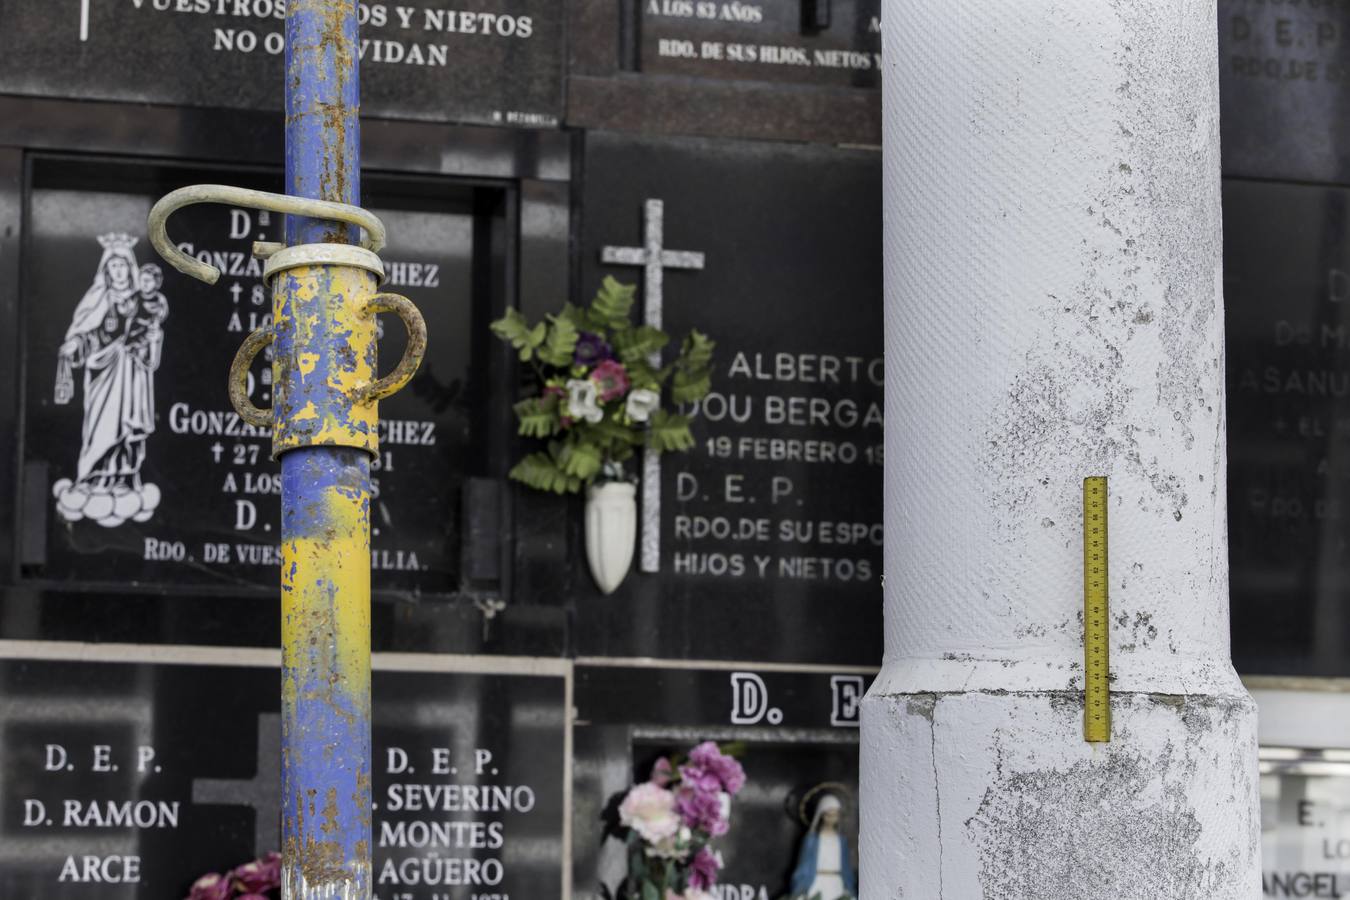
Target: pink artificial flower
(704, 868)
(611, 378)
(649, 809)
(260, 875)
(212, 886)
(663, 773)
(253, 897)
(708, 758)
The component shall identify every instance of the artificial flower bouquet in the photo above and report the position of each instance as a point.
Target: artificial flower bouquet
(671, 821)
(257, 880)
(601, 389)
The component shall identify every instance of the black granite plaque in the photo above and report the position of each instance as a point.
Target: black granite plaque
(1287, 287)
(827, 43)
(788, 70)
(794, 732)
(771, 528)
(486, 61)
(130, 780)
(146, 474)
(1284, 73)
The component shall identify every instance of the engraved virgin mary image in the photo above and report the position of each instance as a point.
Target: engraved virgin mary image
(116, 336)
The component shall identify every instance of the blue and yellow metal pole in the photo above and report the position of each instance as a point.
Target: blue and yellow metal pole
(325, 296)
(324, 352)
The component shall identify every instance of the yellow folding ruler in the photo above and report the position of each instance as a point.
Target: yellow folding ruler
(1096, 615)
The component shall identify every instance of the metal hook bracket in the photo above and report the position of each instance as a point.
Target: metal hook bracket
(366, 393)
(170, 203)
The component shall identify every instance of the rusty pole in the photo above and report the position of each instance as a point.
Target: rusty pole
(324, 416)
(324, 349)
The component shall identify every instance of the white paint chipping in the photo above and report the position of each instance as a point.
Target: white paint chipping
(1053, 311)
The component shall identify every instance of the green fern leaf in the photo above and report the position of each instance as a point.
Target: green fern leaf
(693, 369)
(539, 471)
(669, 432)
(689, 387)
(538, 417)
(697, 350)
(561, 343)
(580, 459)
(610, 434)
(612, 304)
(515, 329)
(637, 344)
(644, 376)
(575, 315)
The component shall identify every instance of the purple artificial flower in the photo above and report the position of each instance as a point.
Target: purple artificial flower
(260, 875)
(708, 758)
(591, 349)
(702, 810)
(212, 886)
(253, 897)
(703, 869)
(700, 779)
(610, 379)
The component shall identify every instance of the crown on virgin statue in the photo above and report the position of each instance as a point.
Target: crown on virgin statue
(116, 240)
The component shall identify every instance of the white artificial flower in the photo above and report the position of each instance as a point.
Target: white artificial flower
(649, 809)
(642, 403)
(583, 400)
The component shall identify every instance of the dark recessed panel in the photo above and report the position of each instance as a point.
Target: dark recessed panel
(771, 527)
(1284, 74)
(1287, 291)
(144, 473)
(498, 63)
(127, 780)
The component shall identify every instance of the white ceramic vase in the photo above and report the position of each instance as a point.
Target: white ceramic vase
(611, 531)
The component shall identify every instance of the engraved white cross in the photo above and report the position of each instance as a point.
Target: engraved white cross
(654, 259)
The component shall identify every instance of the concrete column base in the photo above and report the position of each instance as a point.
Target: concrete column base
(994, 795)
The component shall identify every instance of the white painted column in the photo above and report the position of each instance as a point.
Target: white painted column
(1054, 310)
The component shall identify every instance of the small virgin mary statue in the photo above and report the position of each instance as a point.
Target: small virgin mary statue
(824, 869)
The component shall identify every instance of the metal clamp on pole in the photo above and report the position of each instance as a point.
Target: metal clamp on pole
(300, 265)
